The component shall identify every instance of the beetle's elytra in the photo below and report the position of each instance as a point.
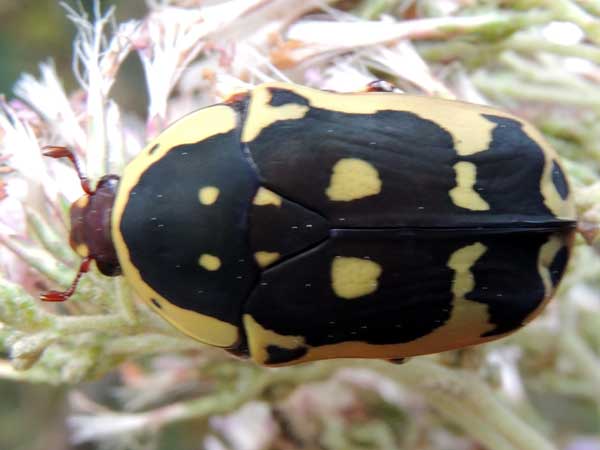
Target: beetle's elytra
(291, 224)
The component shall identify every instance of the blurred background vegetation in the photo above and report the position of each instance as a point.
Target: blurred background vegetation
(34, 31)
(33, 416)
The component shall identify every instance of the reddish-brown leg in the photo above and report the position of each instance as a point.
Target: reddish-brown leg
(58, 296)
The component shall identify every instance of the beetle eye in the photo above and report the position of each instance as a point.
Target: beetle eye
(108, 268)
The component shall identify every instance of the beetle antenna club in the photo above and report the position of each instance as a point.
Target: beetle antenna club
(61, 296)
(63, 152)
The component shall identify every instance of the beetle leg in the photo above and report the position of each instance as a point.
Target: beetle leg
(398, 360)
(589, 231)
(61, 296)
(236, 97)
(240, 350)
(382, 86)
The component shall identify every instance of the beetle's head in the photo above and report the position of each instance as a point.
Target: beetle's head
(90, 236)
(90, 226)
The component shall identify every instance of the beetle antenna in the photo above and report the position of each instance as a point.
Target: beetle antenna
(61, 296)
(63, 152)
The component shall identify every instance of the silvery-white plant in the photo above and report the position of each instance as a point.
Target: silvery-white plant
(542, 63)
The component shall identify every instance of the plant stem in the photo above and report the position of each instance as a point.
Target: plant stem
(459, 396)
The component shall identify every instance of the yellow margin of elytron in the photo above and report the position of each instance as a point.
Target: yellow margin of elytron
(195, 127)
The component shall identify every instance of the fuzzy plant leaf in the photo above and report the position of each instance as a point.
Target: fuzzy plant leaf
(131, 380)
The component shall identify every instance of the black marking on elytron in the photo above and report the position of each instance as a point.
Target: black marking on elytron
(323, 137)
(559, 265)
(415, 160)
(414, 295)
(560, 181)
(153, 149)
(156, 303)
(509, 174)
(166, 228)
(508, 281)
(280, 355)
(280, 97)
(286, 229)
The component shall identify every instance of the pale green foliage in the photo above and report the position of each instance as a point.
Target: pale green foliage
(505, 53)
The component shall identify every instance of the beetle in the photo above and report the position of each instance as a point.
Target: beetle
(290, 224)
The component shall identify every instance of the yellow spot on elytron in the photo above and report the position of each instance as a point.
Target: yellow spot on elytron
(208, 195)
(471, 133)
(261, 114)
(461, 261)
(82, 201)
(351, 179)
(265, 197)
(265, 259)
(209, 262)
(354, 277)
(260, 338)
(82, 250)
(463, 194)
